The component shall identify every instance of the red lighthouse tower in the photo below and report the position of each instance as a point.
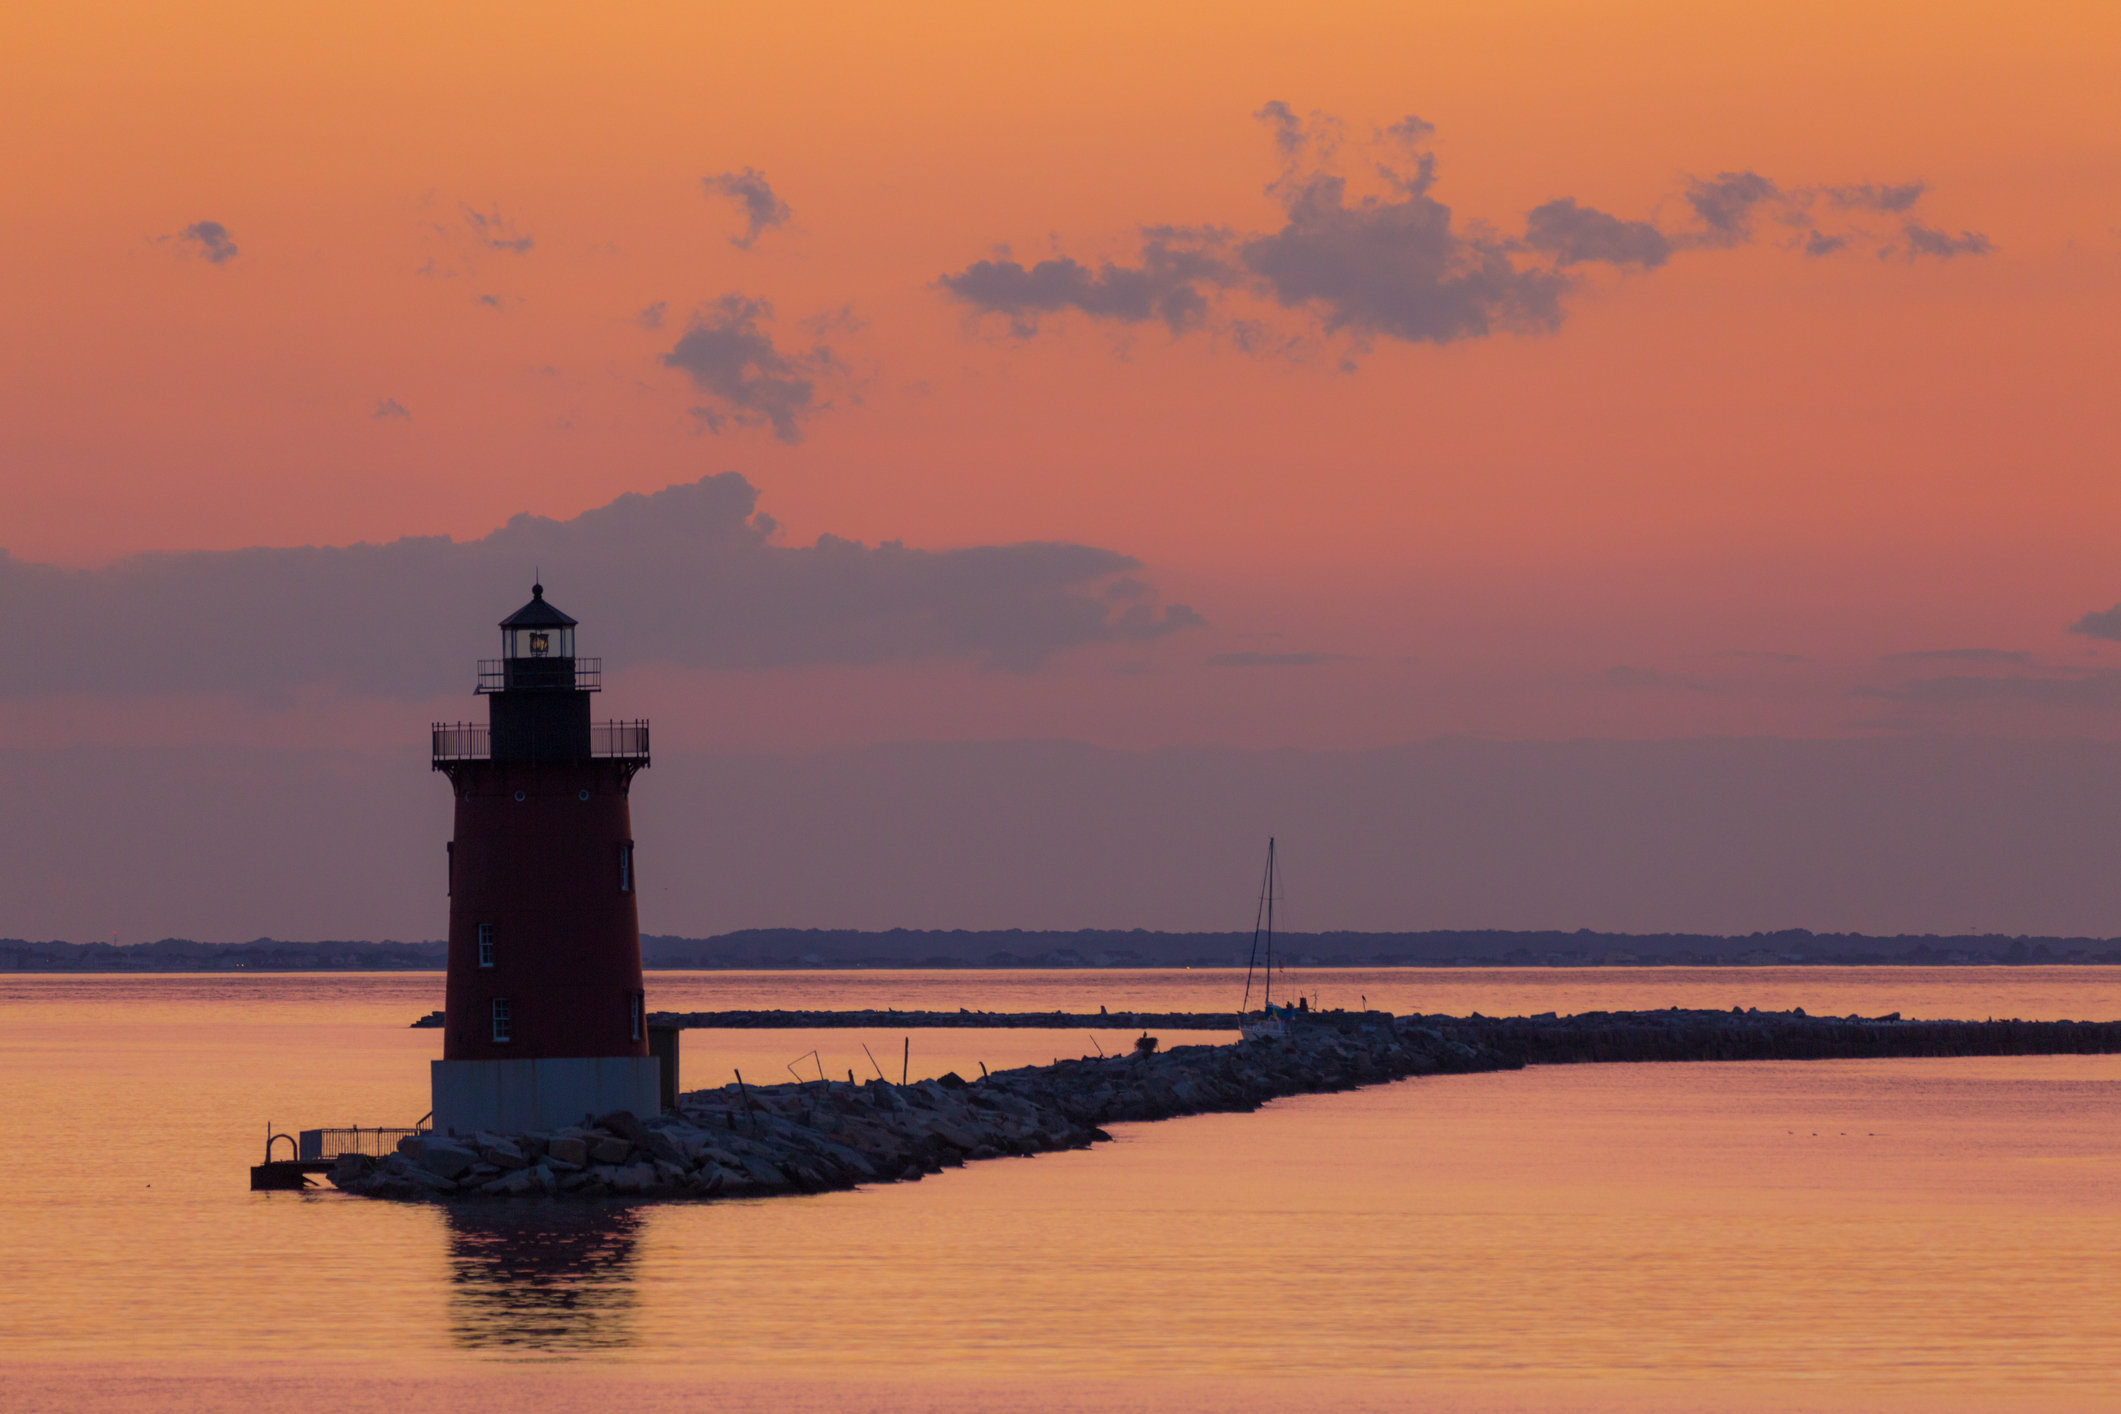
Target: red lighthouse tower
(545, 1016)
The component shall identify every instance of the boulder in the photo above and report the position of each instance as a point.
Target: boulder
(568, 1149)
(501, 1153)
(610, 1151)
(623, 1124)
(350, 1169)
(763, 1172)
(445, 1158)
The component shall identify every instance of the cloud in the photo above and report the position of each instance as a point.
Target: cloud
(2100, 623)
(686, 576)
(213, 240)
(1921, 240)
(1166, 285)
(497, 232)
(1870, 196)
(2100, 690)
(727, 354)
(1395, 267)
(1277, 660)
(1725, 203)
(1574, 234)
(1960, 655)
(762, 210)
(652, 316)
(390, 407)
(1397, 263)
(1633, 677)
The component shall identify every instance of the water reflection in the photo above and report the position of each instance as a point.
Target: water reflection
(543, 1277)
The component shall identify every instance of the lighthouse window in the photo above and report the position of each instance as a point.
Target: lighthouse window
(486, 945)
(626, 868)
(500, 1018)
(633, 1007)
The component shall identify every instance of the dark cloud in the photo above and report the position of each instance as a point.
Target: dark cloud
(762, 210)
(1725, 204)
(1960, 655)
(1395, 267)
(213, 240)
(490, 301)
(1574, 234)
(727, 354)
(1277, 660)
(1166, 285)
(496, 232)
(652, 316)
(1920, 240)
(1870, 196)
(1397, 263)
(2100, 623)
(390, 407)
(2100, 690)
(687, 576)
(1633, 677)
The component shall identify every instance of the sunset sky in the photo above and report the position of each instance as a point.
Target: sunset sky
(1532, 371)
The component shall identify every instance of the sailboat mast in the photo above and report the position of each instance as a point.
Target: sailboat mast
(1270, 920)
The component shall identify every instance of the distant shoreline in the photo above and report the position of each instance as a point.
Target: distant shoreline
(900, 950)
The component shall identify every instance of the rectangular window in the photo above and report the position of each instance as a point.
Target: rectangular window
(500, 1018)
(626, 867)
(486, 945)
(634, 1008)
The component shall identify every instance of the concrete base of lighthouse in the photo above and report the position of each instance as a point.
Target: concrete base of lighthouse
(515, 1096)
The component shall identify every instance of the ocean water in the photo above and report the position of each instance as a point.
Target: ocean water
(1826, 1235)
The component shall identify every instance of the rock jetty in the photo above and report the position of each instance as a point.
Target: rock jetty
(746, 1140)
(806, 1138)
(884, 1020)
(1739, 1035)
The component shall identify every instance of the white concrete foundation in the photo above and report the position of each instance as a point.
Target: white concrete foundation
(511, 1096)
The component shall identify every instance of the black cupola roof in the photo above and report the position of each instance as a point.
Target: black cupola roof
(537, 613)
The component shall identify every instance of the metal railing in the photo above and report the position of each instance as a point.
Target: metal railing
(319, 1144)
(504, 674)
(469, 741)
(462, 741)
(626, 740)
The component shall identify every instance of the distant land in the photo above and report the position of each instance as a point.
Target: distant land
(799, 949)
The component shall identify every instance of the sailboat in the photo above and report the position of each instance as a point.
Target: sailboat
(1272, 1023)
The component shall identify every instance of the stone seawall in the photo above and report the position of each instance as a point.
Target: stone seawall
(1676, 1035)
(743, 1140)
(926, 1020)
(807, 1138)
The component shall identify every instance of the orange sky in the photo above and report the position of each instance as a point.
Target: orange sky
(1742, 452)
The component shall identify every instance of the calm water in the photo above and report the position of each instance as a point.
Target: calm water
(1847, 1235)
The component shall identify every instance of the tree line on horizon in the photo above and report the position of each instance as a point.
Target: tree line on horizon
(813, 948)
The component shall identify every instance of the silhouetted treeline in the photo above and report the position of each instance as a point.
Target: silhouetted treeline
(904, 947)
(184, 955)
(776, 948)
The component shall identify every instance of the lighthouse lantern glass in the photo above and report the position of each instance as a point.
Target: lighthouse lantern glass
(542, 642)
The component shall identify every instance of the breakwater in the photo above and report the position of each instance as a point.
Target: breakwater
(1676, 1035)
(749, 1140)
(885, 1020)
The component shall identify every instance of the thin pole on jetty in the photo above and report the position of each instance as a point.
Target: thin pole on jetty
(872, 1060)
(1264, 917)
(905, 1065)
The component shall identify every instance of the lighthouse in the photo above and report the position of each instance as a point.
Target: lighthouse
(545, 1017)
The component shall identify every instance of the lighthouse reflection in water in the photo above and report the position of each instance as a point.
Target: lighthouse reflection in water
(548, 1278)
